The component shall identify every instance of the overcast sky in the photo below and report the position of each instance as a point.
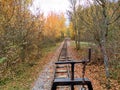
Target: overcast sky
(46, 6)
(57, 6)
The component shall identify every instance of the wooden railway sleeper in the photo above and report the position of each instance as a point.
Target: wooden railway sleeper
(81, 81)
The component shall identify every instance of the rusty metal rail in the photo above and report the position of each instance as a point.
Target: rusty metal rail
(64, 72)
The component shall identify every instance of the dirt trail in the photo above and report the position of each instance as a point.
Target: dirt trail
(45, 78)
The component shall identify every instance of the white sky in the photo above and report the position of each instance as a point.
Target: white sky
(57, 6)
(46, 6)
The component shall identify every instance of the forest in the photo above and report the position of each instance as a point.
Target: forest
(26, 38)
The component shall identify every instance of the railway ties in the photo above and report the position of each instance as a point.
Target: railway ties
(64, 72)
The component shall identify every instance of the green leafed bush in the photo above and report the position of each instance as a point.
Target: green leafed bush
(2, 59)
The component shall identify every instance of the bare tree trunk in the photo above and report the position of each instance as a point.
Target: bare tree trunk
(78, 39)
(103, 42)
(76, 43)
(105, 57)
(73, 16)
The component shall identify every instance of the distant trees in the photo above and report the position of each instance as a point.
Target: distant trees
(55, 26)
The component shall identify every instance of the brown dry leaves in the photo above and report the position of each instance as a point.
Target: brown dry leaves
(95, 73)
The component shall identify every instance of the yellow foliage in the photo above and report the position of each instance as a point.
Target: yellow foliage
(71, 30)
(54, 25)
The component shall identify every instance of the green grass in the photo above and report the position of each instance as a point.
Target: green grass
(2, 59)
(23, 75)
(83, 44)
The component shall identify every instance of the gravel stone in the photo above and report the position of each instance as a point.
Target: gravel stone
(44, 81)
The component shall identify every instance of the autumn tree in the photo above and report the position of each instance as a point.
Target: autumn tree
(73, 17)
(106, 21)
(96, 19)
(19, 33)
(54, 26)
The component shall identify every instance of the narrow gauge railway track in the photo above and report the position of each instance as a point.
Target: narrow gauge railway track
(64, 72)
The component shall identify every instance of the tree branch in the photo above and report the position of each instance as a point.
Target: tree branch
(114, 20)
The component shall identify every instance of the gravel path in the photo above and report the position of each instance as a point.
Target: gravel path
(45, 79)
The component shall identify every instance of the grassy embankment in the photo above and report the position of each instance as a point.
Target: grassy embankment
(25, 73)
